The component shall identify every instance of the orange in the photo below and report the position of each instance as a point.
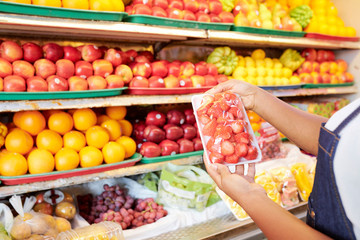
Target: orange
(129, 144)
(77, 4)
(253, 117)
(19, 1)
(113, 127)
(113, 152)
(48, 3)
(48, 113)
(126, 127)
(12, 164)
(101, 5)
(97, 136)
(75, 140)
(90, 157)
(84, 119)
(49, 140)
(31, 121)
(118, 5)
(116, 113)
(60, 122)
(19, 141)
(255, 126)
(66, 159)
(102, 118)
(40, 161)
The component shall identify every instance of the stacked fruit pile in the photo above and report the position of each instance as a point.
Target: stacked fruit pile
(173, 133)
(39, 142)
(192, 10)
(115, 204)
(322, 67)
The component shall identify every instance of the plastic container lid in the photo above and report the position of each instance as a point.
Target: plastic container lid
(100, 231)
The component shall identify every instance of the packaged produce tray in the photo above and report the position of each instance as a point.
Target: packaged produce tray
(329, 37)
(161, 21)
(267, 31)
(12, 96)
(166, 91)
(294, 86)
(29, 9)
(171, 157)
(327, 85)
(29, 178)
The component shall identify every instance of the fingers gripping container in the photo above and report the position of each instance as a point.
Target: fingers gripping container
(225, 129)
(100, 231)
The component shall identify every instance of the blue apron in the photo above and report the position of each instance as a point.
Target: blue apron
(325, 210)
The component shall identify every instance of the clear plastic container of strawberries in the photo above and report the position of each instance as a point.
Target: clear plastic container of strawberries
(225, 129)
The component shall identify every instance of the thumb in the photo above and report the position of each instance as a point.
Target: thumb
(222, 170)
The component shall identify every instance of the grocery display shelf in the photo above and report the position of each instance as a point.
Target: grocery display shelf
(121, 172)
(131, 100)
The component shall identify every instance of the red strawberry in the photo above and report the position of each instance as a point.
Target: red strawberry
(223, 132)
(252, 153)
(209, 128)
(221, 120)
(232, 159)
(215, 157)
(218, 96)
(204, 118)
(215, 110)
(237, 126)
(241, 149)
(227, 148)
(235, 111)
(206, 103)
(243, 137)
(230, 96)
(210, 143)
(224, 105)
(228, 116)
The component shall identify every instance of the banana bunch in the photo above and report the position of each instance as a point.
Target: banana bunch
(225, 59)
(302, 14)
(3, 133)
(291, 59)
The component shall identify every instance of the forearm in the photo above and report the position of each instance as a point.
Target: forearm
(300, 127)
(274, 221)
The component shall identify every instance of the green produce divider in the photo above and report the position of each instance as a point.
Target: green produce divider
(327, 85)
(264, 31)
(171, 157)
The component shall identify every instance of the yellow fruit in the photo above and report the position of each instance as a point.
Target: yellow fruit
(116, 113)
(113, 152)
(129, 144)
(295, 80)
(100, 5)
(75, 140)
(350, 32)
(48, 3)
(126, 127)
(113, 127)
(84, 119)
(258, 54)
(97, 136)
(76, 4)
(239, 72)
(40, 161)
(332, 11)
(241, 61)
(49, 140)
(118, 5)
(102, 118)
(255, 126)
(66, 159)
(90, 157)
(31, 121)
(60, 122)
(12, 164)
(19, 141)
(333, 30)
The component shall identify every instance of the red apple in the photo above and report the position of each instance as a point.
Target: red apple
(114, 81)
(36, 84)
(158, 12)
(159, 68)
(156, 82)
(139, 82)
(221, 78)
(169, 147)
(191, 5)
(175, 117)
(215, 7)
(324, 67)
(77, 84)
(185, 82)
(142, 70)
(342, 65)
(316, 78)
(83, 69)
(96, 82)
(32, 52)
(65, 68)
(210, 80)
(91, 53)
(202, 17)
(124, 72)
(306, 78)
(154, 134)
(325, 77)
(306, 67)
(139, 127)
(160, 3)
(5, 68)
(155, 118)
(175, 13)
(141, 59)
(185, 145)
(11, 51)
(226, 17)
(212, 69)
(349, 77)
(201, 68)
(131, 54)
(23, 69)
(187, 69)
(71, 53)
(142, 9)
(143, 2)
(53, 52)
(204, 6)
(316, 67)
(56, 83)
(44, 68)
(44, 208)
(188, 15)
(215, 18)
(241, 6)
(150, 150)
(341, 76)
(330, 55)
(334, 79)
(14, 83)
(189, 131)
(197, 144)
(176, 4)
(173, 69)
(177, 62)
(325, 55)
(129, 9)
(113, 56)
(309, 54)
(171, 82)
(102, 68)
(198, 81)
